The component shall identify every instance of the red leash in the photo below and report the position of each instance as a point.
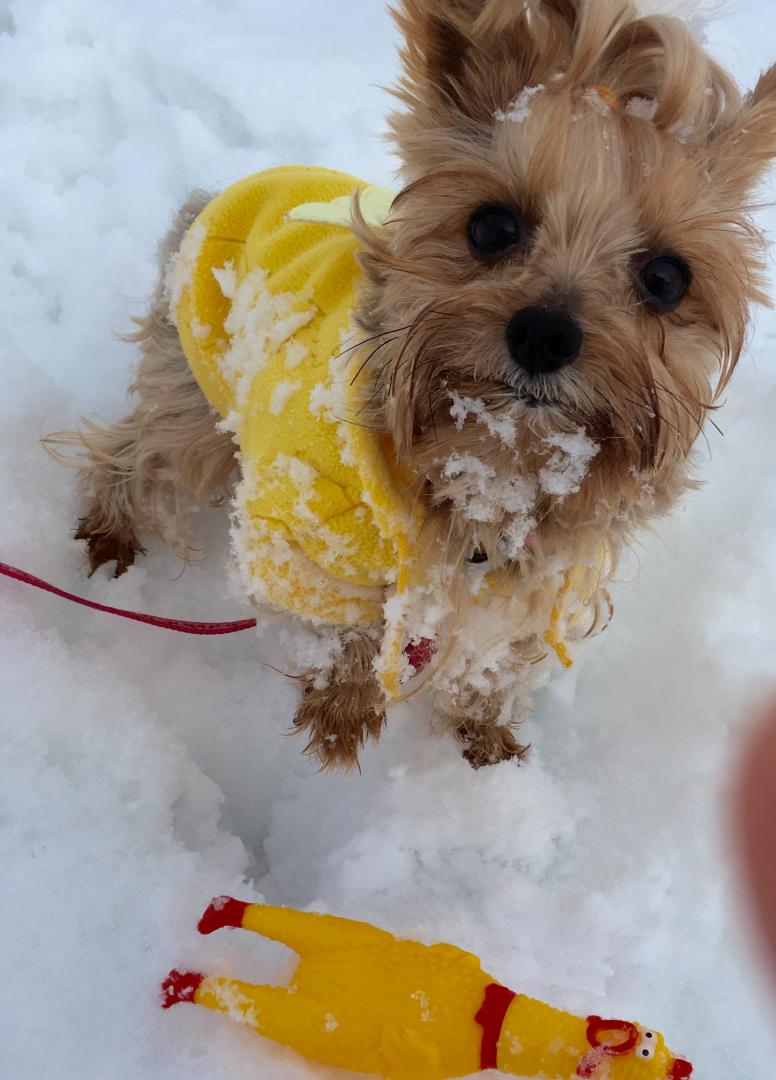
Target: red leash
(181, 626)
(419, 653)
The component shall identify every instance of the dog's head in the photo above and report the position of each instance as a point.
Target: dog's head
(563, 288)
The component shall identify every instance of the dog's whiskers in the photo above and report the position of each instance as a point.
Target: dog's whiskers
(698, 421)
(421, 321)
(390, 338)
(365, 341)
(372, 354)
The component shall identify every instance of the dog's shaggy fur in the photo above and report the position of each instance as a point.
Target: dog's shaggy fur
(613, 139)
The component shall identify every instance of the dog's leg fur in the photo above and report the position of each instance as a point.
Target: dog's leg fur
(350, 709)
(482, 707)
(144, 470)
(487, 743)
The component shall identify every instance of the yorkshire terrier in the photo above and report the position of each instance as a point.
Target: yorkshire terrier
(543, 322)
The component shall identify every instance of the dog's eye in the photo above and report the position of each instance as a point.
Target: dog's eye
(493, 229)
(665, 281)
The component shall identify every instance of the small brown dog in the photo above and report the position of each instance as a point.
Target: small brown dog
(546, 320)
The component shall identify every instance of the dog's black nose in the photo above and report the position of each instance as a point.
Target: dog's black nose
(543, 341)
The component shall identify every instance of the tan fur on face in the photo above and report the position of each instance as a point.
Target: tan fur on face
(602, 191)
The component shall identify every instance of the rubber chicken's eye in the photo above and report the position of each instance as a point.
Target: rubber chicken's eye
(647, 1047)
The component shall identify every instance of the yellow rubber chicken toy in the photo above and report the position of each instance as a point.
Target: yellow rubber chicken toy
(363, 1000)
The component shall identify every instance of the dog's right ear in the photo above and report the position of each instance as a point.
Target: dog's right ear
(460, 62)
(438, 43)
(464, 60)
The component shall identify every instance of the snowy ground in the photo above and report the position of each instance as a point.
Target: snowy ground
(144, 772)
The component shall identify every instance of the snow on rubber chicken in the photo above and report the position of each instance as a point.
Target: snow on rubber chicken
(363, 1000)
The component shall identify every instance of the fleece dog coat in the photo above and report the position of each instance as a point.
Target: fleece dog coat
(263, 292)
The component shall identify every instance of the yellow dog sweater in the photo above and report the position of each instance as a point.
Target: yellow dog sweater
(263, 291)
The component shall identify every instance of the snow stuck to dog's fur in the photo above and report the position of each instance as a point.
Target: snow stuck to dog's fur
(144, 773)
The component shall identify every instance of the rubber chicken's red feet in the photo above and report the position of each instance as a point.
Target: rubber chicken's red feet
(180, 986)
(223, 911)
(680, 1070)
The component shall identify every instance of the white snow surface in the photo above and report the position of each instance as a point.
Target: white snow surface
(145, 772)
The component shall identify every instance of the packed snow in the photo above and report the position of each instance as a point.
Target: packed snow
(145, 772)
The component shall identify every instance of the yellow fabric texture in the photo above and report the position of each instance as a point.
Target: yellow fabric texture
(363, 1000)
(266, 285)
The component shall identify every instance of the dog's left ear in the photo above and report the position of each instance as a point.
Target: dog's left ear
(739, 157)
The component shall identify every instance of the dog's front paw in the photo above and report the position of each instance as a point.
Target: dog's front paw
(489, 745)
(120, 548)
(338, 719)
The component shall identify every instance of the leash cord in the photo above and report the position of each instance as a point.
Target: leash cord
(180, 626)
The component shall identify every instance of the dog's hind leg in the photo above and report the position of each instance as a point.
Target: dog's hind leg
(145, 470)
